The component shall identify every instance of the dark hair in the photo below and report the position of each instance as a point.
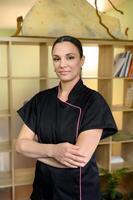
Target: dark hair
(73, 40)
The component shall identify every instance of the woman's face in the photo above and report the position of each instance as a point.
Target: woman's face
(67, 61)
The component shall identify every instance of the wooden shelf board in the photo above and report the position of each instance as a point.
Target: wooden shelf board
(95, 77)
(5, 113)
(27, 77)
(105, 141)
(126, 164)
(121, 108)
(24, 176)
(33, 77)
(4, 77)
(5, 146)
(123, 78)
(128, 78)
(122, 137)
(5, 179)
(105, 78)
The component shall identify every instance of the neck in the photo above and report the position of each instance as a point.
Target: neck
(65, 89)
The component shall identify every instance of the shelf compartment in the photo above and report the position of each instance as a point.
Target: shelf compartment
(4, 94)
(49, 83)
(103, 161)
(123, 152)
(105, 88)
(105, 61)
(5, 193)
(118, 116)
(23, 192)
(128, 122)
(128, 94)
(5, 146)
(91, 83)
(25, 60)
(117, 88)
(5, 162)
(23, 90)
(21, 161)
(127, 153)
(24, 176)
(90, 67)
(17, 123)
(5, 179)
(4, 129)
(3, 59)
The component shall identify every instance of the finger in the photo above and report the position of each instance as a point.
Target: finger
(67, 164)
(78, 159)
(76, 153)
(73, 163)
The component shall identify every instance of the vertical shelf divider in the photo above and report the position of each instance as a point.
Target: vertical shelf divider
(11, 119)
(43, 65)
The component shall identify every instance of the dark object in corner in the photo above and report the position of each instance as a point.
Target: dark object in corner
(19, 26)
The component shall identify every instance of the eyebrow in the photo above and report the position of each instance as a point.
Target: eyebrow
(66, 54)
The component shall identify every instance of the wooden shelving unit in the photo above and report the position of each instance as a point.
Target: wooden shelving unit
(25, 69)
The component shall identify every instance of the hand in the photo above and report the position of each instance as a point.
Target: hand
(68, 155)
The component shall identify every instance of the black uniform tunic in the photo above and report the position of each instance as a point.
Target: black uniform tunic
(55, 121)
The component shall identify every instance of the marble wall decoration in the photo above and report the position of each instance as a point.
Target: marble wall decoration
(52, 18)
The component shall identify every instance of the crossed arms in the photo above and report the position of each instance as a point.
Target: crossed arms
(62, 155)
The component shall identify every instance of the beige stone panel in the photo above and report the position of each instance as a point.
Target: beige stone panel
(75, 17)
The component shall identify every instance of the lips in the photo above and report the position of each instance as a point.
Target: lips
(63, 72)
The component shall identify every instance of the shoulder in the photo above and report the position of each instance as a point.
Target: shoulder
(46, 93)
(93, 95)
(43, 96)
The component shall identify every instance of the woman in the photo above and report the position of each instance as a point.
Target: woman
(69, 120)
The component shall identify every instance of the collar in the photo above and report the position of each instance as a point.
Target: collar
(75, 92)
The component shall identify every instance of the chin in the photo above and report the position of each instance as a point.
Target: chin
(67, 79)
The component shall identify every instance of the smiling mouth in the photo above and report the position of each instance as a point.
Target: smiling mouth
(63, 72)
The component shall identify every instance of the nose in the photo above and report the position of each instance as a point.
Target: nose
(63, 63)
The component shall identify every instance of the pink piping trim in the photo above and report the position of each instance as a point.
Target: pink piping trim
(80, 177)
(78, 117)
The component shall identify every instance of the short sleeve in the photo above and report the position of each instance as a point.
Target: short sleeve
(97, 115)
(28, 113)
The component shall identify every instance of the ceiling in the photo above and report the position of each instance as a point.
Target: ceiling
(11, 9)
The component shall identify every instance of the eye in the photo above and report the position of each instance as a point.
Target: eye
(70, 57)
(56, 59)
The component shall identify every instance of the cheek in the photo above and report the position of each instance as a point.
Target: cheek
(77, 66)
(55, 66)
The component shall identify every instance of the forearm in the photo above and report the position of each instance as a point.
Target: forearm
(64, 153)
(33, 149)
(88, 142)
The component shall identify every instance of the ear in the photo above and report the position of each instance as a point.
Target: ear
(82, 60)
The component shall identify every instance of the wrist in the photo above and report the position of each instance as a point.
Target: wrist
(50, 150)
